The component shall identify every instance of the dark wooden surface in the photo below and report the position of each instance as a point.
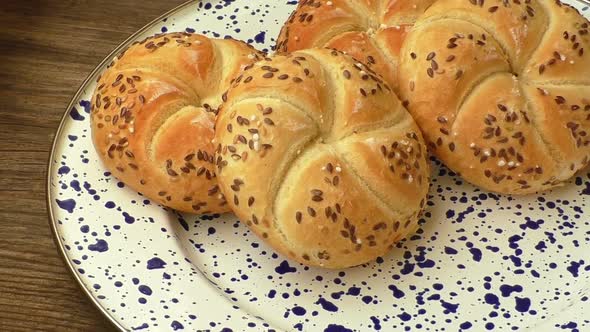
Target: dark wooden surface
(47, 48)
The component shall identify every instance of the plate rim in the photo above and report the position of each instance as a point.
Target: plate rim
(75, 97)
(50, 165)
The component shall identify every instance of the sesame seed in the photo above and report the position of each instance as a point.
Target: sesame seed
(430, 72)
(317, 192)
(330, 167)
(317, 198)
(560, 100)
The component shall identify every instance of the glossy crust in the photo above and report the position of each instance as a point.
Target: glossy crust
(514, 113)
(371, 31)
(318, 157)
(153, 116)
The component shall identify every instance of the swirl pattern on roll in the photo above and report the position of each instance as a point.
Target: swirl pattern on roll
(371, 31)
(501, 90)
(318, 157)
(153, 116)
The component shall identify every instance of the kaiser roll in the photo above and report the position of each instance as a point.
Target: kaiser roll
(153, 116)
(319, 158)
(501, 90)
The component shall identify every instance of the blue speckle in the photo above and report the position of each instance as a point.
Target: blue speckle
(327, 305)
(574, 268)
(75, 185)
(86, 105)
(63, 170)
(476, 254)
(376, 323)
(146, 290)
(407, 269)
(541, 246)
(492, 299)
(465, 325)
(259, 38)
(68, 205)
(74, 114)
(84, 228)
(336, 328)
(367, 299)
(299, 311)
(450, 214)
(354, 291)
(128, 219)
(284, 268)
(155, 263)
(110, 205)
(522, 304)
(449, 307)
(176, 326)
(397, 293)
(99, 246)
(507, 289)
(450, 251)
(141, 327)
(404, 316)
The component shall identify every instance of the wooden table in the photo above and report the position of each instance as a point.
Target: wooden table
(46, 50)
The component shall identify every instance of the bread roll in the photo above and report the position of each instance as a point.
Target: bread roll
(501, 90)
(319, 158)
(371, 31)
(153, 116)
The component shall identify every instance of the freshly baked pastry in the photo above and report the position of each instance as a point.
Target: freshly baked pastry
(501, 90)
(317, 156)
(153, 116)
(371, 31)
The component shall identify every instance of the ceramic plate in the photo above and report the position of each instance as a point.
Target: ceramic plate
(479, 262)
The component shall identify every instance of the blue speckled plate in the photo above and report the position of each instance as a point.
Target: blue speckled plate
(480, 261)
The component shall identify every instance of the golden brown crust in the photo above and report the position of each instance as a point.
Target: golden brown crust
(153, 117)
(501, 92)
(370, 31)
(317, 156)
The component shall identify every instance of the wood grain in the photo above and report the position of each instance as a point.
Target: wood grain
(47, 48)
